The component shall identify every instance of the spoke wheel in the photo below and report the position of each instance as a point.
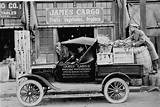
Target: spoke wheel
(116, 90)
(30, 93)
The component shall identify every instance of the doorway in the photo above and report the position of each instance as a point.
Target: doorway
(6, 44)
(75, 32)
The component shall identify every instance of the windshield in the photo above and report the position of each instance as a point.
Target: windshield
(72, 50)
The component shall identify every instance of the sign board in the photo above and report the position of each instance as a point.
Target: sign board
(22, 49)
(74, 15)
(76, 71)
(10, 9)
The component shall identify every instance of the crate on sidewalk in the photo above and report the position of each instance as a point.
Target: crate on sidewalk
(4, 72)
(23, 51)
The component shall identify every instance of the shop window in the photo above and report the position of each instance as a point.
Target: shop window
(59, 4)
(45, 5)
(7, 44)
(64, 4)
(46, 40)
(153, 16)
(70, 4)
(39, 5)
(109, 4)
(42, 20)
(39, 13)
(104, 4)
(50, 5)
(74, 32)
(107, 18)
(84, 4)
(107, 11)
(134, 12)
(106, 31)
(107, 7)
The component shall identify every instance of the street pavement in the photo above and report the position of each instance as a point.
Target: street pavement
(136, 99)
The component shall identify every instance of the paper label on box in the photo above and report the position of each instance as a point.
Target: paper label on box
(104, 58)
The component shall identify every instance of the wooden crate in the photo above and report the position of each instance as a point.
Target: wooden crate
(104, 58)
(4, 72)
(123, 55)
(22, 48)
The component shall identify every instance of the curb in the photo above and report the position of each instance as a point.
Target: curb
(10, 80)
(135, 89)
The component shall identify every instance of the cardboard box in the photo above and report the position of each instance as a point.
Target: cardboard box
(123, 55)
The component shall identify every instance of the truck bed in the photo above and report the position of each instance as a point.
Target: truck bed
(132, 70)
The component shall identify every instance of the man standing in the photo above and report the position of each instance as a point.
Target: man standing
(140, 39)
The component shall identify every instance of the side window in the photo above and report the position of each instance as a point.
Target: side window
(107, 32)
(46, 40)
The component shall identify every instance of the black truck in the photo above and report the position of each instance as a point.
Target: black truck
(81, 69)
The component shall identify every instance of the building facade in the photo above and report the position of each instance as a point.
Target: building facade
(54, 21)
(61, 20)
(10, 20)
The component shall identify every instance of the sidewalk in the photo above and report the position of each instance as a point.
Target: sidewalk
(8, 88)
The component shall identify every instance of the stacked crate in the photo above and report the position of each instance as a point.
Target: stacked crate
(104, 58)
(123, 55)
(22, 48)
(118, 56)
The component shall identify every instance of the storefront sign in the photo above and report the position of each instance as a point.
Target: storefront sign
(10, 9)
(74, 15)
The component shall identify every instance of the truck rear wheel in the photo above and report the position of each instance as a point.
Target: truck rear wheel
(116, 90)
(30, 93)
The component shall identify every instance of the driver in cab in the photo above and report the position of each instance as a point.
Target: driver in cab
(76, 55)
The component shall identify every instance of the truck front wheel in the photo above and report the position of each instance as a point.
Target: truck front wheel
(116, 90)
(30, 93)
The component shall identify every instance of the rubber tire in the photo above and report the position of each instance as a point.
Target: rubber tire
(105, 91)
(40, 89)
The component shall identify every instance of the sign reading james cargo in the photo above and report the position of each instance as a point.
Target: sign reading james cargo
(74, 15)
(10, 9)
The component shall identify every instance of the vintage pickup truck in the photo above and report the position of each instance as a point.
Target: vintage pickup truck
(113, 78)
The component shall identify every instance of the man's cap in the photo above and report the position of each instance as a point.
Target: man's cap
(134, 25)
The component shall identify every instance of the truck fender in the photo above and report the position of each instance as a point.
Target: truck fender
(39, 79)
(115, 75)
